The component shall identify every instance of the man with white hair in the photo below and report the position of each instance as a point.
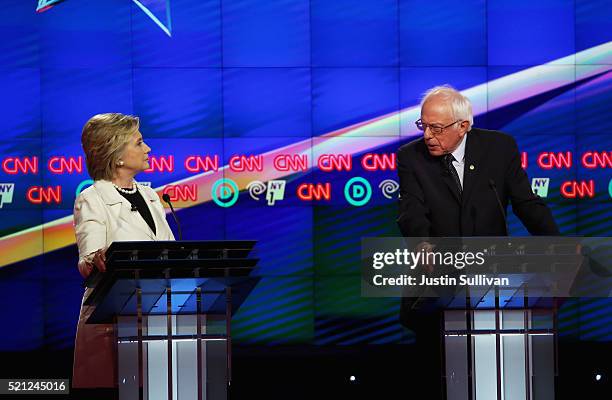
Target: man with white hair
(457, 181)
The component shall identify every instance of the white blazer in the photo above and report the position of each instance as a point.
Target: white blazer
(103, 216)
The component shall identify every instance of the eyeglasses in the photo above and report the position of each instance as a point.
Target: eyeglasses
(435, 129)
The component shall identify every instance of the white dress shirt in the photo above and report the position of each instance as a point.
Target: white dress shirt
(459, 161)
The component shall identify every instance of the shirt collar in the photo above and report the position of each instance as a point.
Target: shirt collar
(459, 152)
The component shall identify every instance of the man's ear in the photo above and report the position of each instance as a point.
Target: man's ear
(465, 127)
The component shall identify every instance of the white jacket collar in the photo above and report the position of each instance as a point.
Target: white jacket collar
(110, 195)
(108, 192)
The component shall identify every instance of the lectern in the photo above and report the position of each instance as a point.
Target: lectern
(497, 298)
(500, 342)
(500, 346)
(172, 303)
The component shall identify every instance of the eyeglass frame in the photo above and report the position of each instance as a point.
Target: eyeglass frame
(433, 128)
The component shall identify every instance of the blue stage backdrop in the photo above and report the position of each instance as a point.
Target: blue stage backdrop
(283, 103)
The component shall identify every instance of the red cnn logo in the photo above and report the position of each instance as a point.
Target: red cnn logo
(25, 165)
(202, 164)
(62, 165)
(378, 162)
(244, 163)
(161, 164)
(39, 194)
(182, 192)
(335, 162)
(310, 191)
(594, 159)
(291, 162)
(549, 160)
(573, 189)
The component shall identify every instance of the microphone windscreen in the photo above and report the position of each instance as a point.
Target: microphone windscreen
(166, 197)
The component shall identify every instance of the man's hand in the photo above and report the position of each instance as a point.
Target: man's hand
(427, 248)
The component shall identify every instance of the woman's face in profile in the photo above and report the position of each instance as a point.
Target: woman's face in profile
(136, 154)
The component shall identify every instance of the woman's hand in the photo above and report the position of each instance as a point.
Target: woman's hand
(99, 260)
(95, 260)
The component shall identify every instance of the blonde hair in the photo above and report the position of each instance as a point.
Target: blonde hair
(104, 138)
(460, 105)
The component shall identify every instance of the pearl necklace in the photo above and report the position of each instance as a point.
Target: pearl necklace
(133, 190)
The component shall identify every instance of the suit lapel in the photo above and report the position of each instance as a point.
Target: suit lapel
(437, 164)
(473, 166)
(450, 183)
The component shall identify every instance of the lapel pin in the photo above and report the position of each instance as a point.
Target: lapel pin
(471, 167)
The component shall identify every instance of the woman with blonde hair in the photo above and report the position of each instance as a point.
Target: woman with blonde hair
(114, 208)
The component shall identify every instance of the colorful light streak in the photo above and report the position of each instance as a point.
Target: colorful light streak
(485, 97)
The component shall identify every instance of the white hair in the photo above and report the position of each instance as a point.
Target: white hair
(460, 105)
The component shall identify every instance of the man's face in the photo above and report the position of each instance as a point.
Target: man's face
(437, 112)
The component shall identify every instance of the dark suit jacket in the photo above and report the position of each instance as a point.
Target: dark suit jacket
(430, 205)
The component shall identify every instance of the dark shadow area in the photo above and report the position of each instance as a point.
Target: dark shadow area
(319, 372)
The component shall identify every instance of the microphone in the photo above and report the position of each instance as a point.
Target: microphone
(166, 198)
(499, 203)
(134, 208)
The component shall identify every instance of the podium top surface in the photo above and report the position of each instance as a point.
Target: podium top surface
(133, 265)
(181, 245)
